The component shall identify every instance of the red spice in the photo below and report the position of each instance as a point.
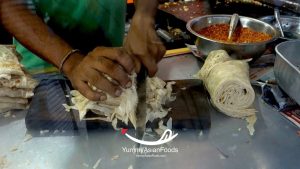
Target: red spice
(241, 35)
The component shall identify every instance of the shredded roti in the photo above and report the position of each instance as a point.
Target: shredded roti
(123, 108)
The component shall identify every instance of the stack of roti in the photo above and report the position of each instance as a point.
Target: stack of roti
(227, 81)
(123, 108)
(15, 86)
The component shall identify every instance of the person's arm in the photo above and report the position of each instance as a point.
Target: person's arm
(146, 7)
(142, 41)
(82, 71)
(31, 32)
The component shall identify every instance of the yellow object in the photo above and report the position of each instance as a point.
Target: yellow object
(174, 52)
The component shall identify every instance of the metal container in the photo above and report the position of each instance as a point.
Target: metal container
(240, 50)
(287, 68)
(290, 25)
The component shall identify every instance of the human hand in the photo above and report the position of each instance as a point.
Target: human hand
(91, 70)
(143, 43)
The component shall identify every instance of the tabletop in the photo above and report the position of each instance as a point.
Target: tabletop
(226, 144)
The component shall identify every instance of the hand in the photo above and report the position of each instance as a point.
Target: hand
(143, 44)
(91, 69)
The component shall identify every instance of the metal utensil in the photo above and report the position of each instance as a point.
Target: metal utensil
(141, 107)
(233, 23)
(278, 20)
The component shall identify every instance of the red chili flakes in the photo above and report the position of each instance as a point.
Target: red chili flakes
(219, 32)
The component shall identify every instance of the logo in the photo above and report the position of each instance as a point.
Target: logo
(167, 136)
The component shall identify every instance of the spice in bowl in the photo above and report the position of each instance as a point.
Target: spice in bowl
(219, 32)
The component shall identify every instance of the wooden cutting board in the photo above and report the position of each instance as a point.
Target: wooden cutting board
(190, 109)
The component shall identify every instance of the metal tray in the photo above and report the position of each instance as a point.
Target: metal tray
(287, 68)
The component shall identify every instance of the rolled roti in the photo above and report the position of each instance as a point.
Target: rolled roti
(228, 84)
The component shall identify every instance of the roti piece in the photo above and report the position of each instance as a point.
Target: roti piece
(214, 57)
(11, 72)
(4, 107)
(19, 93)
(4, 99)
(23, 82)
(9, 63)
(123, 108)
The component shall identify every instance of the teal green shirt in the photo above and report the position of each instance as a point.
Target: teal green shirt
(83, 16)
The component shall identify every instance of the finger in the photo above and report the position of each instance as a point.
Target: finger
(100, 82)
(113, 70)
(137, 64)
(156, 47)
(118, 55)
(141, 52)
(157, 51)
(150, 63)
(161, 52)
(87, 92)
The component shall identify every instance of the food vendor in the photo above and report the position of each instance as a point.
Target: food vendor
(83, 40)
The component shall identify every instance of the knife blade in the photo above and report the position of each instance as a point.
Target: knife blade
(141, 107)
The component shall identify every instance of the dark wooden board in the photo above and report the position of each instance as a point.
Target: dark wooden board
(190, 109)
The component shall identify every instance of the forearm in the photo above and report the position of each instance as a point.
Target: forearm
(146, 7)
(33, 33)
(142, 41)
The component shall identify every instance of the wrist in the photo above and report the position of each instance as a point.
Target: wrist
(70, 64)
(146, 8)
(143, 19)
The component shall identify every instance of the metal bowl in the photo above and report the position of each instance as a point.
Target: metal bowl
(239, 50)
(290, 25)
(287, 68)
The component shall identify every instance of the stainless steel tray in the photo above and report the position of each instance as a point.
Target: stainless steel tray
(286, 68)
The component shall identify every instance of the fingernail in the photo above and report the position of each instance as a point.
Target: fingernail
(118, 92)
(128, 85)
(103, 97)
